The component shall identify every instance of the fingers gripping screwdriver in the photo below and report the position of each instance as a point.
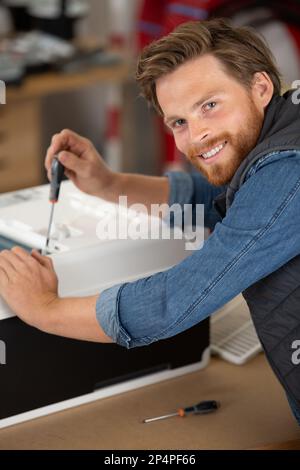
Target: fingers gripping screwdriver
(201, 408)
(57, 173)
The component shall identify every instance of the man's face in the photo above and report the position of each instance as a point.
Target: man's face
(214, 120)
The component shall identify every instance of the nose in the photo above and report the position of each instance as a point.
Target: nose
(198, 131)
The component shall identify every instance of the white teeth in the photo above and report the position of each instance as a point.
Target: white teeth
(213, 152)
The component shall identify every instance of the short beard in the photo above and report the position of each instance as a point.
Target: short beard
(221, 173)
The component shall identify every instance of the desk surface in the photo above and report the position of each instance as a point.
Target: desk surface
(253, 413)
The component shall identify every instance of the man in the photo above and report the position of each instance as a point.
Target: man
(219, 92)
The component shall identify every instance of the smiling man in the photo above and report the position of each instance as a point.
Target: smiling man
(218, 90)
(211, 129)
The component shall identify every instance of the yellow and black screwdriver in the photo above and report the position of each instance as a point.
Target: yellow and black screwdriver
(57, 173)
(204, 407)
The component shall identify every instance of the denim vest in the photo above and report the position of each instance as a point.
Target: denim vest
(274, 301)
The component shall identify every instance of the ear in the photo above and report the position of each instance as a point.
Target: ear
(262, 89)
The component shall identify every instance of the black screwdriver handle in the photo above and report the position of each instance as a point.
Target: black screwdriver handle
(203, 407)
(57, 173)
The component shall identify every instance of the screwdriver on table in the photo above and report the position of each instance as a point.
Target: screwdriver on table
(57, 173)
(201, 408)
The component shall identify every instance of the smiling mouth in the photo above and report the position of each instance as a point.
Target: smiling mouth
(214, 151)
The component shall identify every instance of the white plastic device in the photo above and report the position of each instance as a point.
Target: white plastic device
(233, 336)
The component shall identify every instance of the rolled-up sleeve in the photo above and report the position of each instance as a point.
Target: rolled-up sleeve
(107, 307)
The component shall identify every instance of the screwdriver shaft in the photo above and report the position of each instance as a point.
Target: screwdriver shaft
(49, 227)
(148, 420)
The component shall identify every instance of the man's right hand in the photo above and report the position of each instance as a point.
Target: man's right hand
(83, 164)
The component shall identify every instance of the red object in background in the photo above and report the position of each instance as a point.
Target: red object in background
(112, 122)
(295, 33)
(187, 10)
(150, 21)
(159, 17)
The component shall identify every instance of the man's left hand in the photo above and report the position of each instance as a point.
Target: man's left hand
(28, 284)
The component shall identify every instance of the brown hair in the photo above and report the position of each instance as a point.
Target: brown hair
(241, 51)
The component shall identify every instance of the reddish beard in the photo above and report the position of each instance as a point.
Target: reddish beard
(239, 146)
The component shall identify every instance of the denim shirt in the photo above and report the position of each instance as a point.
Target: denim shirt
(259, 234)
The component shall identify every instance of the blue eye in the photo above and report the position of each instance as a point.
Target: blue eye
(178, 123)
(210, 105)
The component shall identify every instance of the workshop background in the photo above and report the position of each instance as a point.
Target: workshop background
(70, 63)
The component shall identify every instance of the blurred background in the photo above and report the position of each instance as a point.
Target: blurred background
(70, 63)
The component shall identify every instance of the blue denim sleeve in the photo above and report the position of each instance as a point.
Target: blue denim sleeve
(107, 314)
(258, 235)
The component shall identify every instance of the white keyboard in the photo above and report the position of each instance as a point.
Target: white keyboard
(233, 336)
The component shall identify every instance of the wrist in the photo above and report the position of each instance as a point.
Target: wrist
(47, 315)
(108, 185)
